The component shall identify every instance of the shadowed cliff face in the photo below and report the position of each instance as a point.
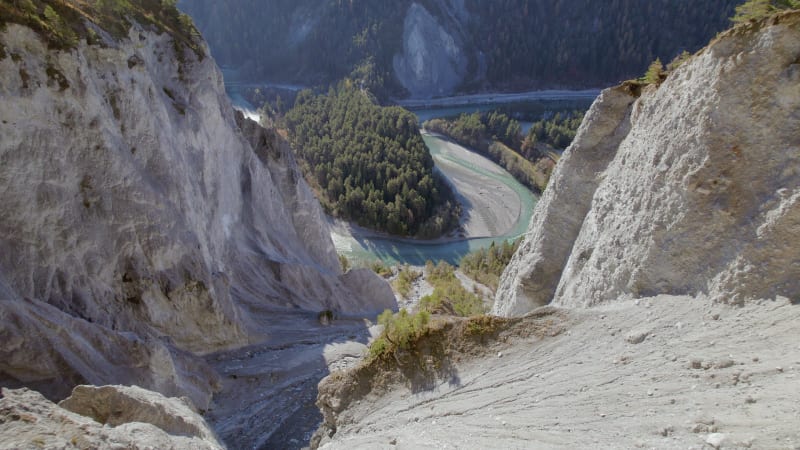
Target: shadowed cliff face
(433, 61)
(465, 45)
(143, 223)
(689, 190)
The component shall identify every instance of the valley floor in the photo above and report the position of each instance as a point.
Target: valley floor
(666, 372)
(494, 206)
(269, 389)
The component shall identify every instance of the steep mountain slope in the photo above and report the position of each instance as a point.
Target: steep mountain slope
(435, 47)
(703, 376)
(690, 189)
(143, 222)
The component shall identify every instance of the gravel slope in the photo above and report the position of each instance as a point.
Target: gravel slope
(268, 390)
(491, 208)
(666, 372)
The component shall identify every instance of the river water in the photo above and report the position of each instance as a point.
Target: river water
(366, 247)
(397, 250)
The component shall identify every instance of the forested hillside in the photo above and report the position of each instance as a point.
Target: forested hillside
(369, 163)
(505, 44)
(498, 137)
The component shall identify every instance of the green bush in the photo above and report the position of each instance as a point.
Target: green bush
(449, 295)
(381, 268)
(63, 23)
(402, 284)
(487, 265)
(655, 73)
(759, 9)
(678, 61)
(399, 331)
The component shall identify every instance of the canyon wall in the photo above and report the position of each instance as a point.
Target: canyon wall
(144, 222)
(433, 61)
(689, 189)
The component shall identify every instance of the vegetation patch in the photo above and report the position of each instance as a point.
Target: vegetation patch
(62, 23)
(487, 265)
(477, 129)
(756, 10)
(557, 131)
(399, 332)
(405, 279)
(369, 164)
(421, 350)
(380, 268)
(532, 174)
(449, 296)
(496, 136)
(750, 15)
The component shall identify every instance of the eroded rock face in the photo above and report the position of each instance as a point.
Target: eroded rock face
(51, 351)
(144, 223)
(107, 417)
(691, 190)
(433, 60)
(532, 276)
(117, 405)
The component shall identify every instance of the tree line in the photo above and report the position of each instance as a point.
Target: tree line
(529, 159)
(369, 163)
(510, 44)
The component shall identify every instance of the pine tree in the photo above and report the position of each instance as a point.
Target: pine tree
(655, 73)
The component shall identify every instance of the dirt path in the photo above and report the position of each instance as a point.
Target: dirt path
(667, 372)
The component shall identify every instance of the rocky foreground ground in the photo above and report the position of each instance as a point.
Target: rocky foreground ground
(108, 417)
(664, 372)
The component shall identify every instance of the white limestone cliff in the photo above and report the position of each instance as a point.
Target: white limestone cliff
(143, 223)
(691, 189)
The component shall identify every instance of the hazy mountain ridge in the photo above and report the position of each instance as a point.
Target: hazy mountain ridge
(436, 47)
